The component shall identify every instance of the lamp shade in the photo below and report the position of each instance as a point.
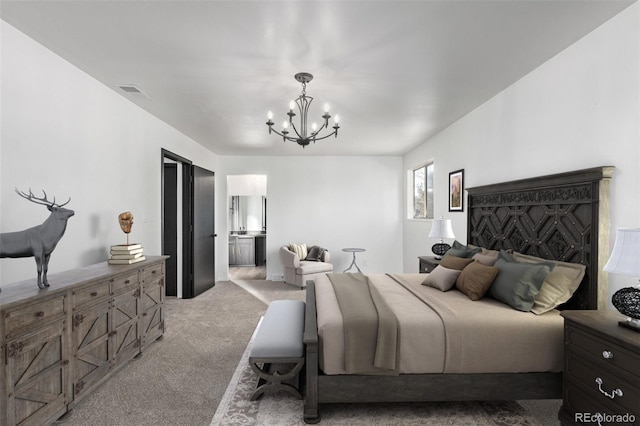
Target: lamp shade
(625, 257)
(441, 228)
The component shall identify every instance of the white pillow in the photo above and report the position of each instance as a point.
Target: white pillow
(299, 249)
(442, 278)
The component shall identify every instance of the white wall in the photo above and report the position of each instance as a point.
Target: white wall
(333, 202)
(580, 109)
(66, 133)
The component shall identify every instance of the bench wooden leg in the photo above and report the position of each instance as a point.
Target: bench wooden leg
(273, 382)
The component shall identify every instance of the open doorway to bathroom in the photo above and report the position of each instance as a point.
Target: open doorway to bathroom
(247, 207)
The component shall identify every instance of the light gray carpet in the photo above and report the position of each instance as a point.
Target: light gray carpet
(181, 378)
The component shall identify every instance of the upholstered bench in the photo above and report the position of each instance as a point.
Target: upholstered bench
(278, 341)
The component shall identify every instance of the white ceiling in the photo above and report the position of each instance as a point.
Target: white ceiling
(397, 72)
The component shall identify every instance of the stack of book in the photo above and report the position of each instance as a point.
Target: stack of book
(126, 254)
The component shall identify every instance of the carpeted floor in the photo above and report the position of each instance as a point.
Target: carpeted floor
(182, 377)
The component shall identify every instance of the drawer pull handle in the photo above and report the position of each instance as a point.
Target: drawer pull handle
(616, 392)
(94, 293)
(40, 314)
(127, 282)
(607, 354)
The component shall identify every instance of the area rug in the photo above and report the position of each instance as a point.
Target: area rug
(282, 409)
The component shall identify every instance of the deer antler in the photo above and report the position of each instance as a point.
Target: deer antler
(42, 200)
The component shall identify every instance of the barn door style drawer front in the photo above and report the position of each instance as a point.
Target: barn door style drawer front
(92, 346)
(34, 315)
(36, 375)
(126, 334)
(90, 294)
(152, 319)
(123, 282)
(152, 272)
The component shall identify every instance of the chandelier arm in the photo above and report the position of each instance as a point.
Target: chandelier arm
(293, 126)
(289, 138)
(324, 137)
(324, 126)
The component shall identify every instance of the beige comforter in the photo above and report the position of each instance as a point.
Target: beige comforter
(445, 332)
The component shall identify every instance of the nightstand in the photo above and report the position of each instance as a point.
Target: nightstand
(601, 370)
(428, 264)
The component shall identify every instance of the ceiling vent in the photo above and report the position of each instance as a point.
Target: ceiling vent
(133, 90)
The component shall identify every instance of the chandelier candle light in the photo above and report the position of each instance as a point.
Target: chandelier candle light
(302, 136)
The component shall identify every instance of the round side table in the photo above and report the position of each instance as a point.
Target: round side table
(353, 251)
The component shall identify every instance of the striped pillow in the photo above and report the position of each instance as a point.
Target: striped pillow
(299, 249)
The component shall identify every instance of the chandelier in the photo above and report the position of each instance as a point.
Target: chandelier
(302, 135)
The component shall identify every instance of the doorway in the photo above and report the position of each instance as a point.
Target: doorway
(188, 236)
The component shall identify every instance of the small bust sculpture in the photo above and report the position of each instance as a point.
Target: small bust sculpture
(126, 221)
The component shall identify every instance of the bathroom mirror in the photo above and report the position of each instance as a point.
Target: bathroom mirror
(248, 213)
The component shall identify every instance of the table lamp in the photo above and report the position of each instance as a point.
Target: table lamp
(625, 260)
(441, 228)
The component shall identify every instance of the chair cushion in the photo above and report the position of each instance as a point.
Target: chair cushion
(310, 267)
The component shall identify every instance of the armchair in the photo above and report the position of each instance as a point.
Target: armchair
(297, 271)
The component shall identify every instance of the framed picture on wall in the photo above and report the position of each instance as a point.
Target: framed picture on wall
(456, 191)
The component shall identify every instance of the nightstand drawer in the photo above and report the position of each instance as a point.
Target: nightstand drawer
(608, 353)
(582, 409)
(603, 386)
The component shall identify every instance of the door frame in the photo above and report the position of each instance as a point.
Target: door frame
(187, 217)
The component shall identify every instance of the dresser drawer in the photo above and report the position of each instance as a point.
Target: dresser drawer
(605, 387)
(608, 352)
(124, 281)
(33, 315)
(152, 272)
(91, 293)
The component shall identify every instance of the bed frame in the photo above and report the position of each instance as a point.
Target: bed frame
(561, 217)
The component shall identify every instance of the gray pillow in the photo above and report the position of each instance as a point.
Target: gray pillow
(442, 278)
(517, 284)
(460, 250)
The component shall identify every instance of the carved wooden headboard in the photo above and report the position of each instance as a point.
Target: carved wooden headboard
(561, 217)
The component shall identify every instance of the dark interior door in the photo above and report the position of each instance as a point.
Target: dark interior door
(203, 230)
(170, 227)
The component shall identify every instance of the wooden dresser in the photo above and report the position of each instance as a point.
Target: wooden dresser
(59, 343)
(601, 370)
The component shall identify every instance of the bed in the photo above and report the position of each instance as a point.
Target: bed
(562, 217)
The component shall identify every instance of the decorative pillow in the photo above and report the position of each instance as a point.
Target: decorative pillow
(517, 284)
(476, 279)
(460, 250)
(454, 262)
(488, 259)
(299, 249)
(441, 278)
(315, 254)
(560, 284)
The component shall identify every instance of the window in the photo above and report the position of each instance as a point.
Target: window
(423, 192)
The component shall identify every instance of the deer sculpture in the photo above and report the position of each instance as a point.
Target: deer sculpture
(40, 240)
